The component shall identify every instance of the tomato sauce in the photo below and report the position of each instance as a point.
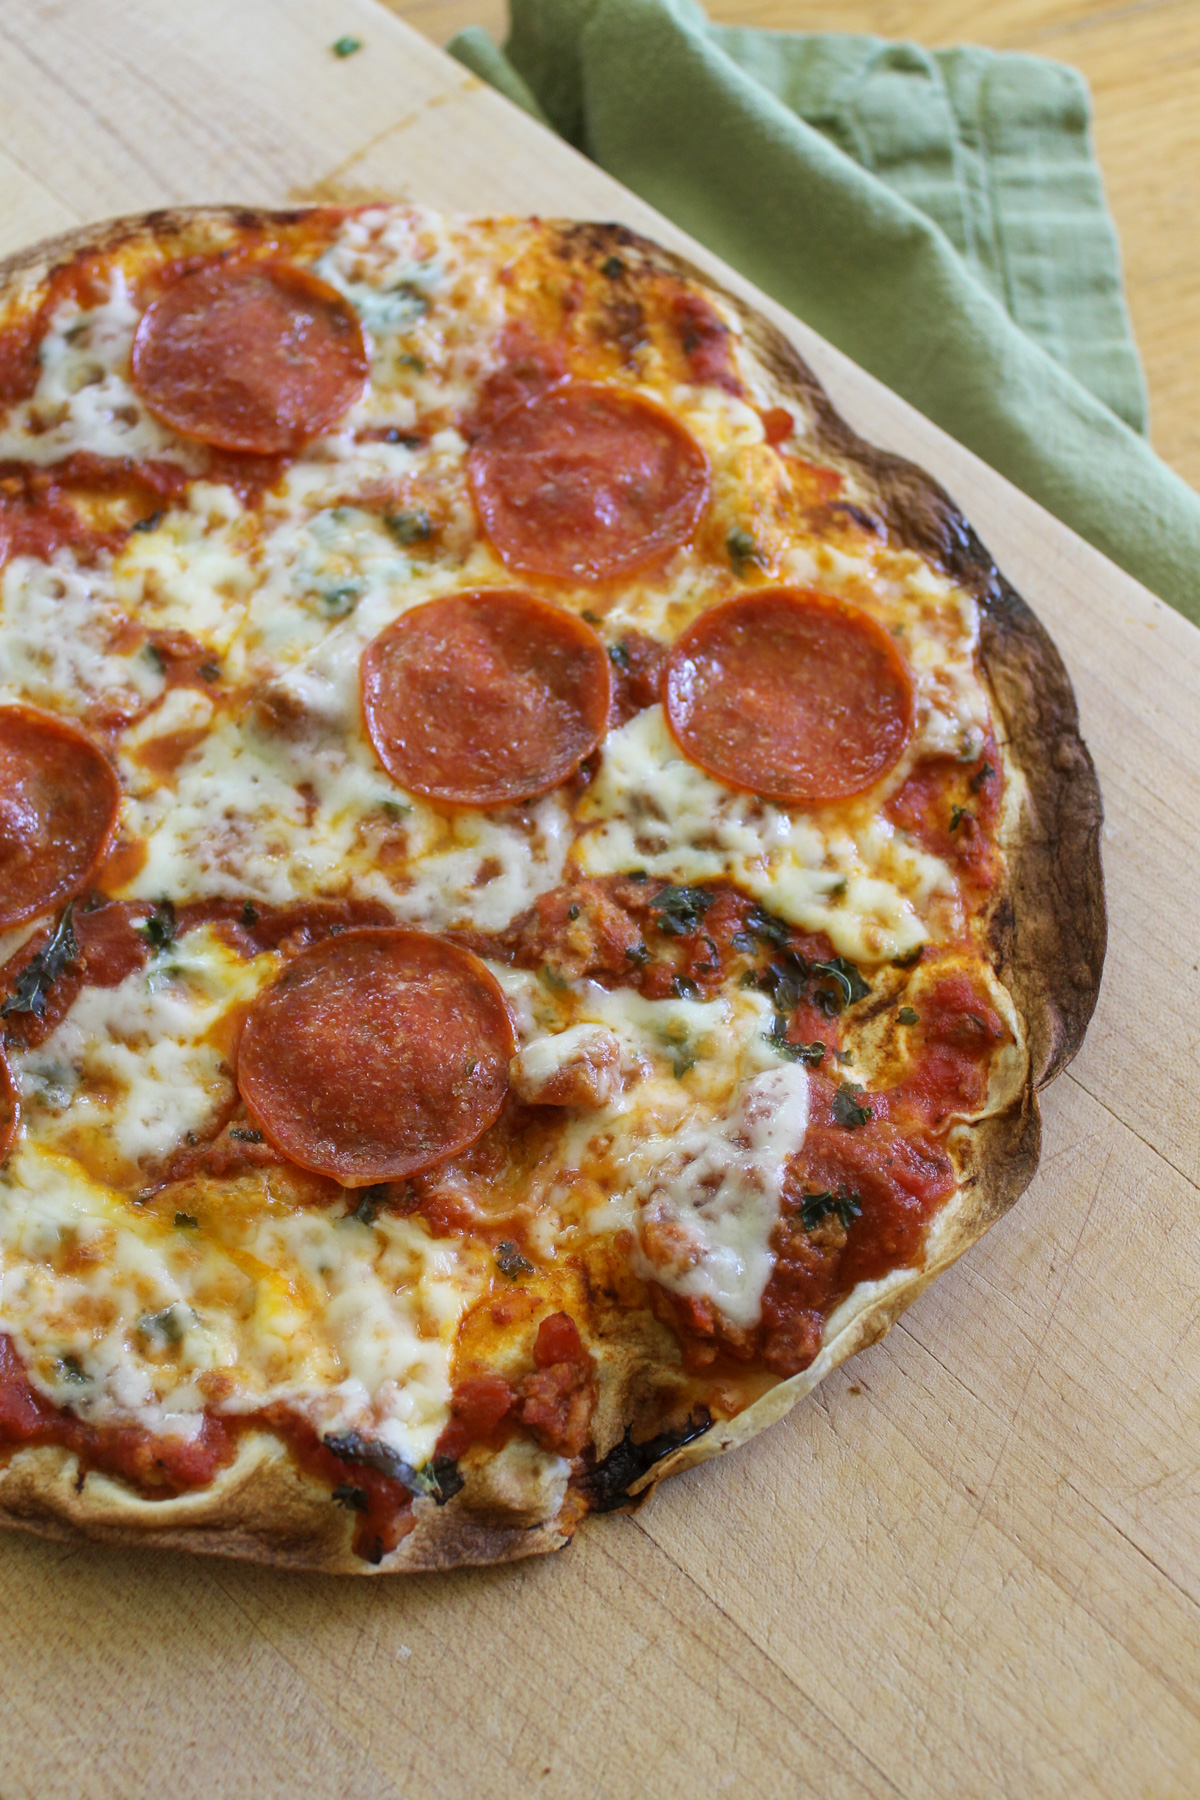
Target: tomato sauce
(159, 1466)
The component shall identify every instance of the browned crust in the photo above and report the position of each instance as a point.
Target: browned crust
(1050, 942)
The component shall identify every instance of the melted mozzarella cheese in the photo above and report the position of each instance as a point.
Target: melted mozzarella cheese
(135, 1066)
(85, 399)
(708, 1195)
(62, 640)
(649, 808)
(124, 1317)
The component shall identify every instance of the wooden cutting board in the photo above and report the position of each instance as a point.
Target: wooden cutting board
(970, 1565)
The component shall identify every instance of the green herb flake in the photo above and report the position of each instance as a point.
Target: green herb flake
(638, 954)
(850, 984)
(846, 1207)
(410, 528)
(685, 988)
(684, 1060)
(169, 1324)
(742, 549)
(155, 656)
(353, 1499)
(553, 980)
(680, 910)
(980, 777)
(574, 910)
(848, 1109)
(345, 46)
(613, 267)
(590, 618)
(159, 929)
(71, 1369)
(370, 1201)
(618, 656)
(249, 913)
(150, 523)
(957, 815)
(186, 1222)
(39, 975)
(509, 1260)
(245, 1134)
(394, 809)
(908, 1016)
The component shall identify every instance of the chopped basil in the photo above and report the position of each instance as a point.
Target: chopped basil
(439, 1478)
(159, 929)
(684, 1060)
(394, 809)
(154, 655)
(352, 1498)
(574, 910)
(39, 975)
(168, 1326)
(249, 913)
(71, 1369)
(346, 46)
(589, 617)
(637, 954)
(957, 815)
(685, 988)
(553, 979)
(353, 1447)
(618, 656)
(907, 1016)
(510, 1262)
(980, 776)
(340, 598)
(370, 1200)
(850, 982)
(768, 929)
(816, 1207)
(210, 671)
(680, 910)
(410, 528)
(742, 549)
(847, 1107)
(613, 267)
(150, 523)
(185, 1222)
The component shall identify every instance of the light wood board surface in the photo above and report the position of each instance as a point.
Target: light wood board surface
(1143, 63)
(971, 1564)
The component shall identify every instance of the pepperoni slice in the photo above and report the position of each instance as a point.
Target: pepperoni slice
(258, 358)
(375, 1054)
(586, 482)
(59, 799)
(789, 694)
(483, 698)
(10, 1108)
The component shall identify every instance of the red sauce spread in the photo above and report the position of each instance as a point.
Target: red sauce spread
(381, 1505)
(951, 808)
(159, 1466)
(554, 1401)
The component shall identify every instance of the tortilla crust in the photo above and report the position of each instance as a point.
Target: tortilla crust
(1048, 937)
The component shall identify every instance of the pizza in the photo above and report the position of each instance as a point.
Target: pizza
(540, 878)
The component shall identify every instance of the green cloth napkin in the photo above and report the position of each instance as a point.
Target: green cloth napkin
(938, 216)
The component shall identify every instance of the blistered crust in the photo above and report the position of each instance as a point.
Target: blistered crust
(1048, 934)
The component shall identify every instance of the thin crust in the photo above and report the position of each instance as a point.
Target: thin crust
(1048, 938)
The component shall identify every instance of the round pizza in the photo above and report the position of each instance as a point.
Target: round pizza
(540, 877)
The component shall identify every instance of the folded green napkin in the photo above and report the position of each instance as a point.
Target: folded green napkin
(939, 217)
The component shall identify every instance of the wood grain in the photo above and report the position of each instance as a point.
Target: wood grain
(971, 1564)
(1143, 63)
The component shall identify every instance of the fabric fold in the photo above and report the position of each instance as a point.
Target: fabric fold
(937, 216)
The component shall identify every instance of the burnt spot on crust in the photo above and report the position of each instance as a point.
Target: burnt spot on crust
(607, 1484)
